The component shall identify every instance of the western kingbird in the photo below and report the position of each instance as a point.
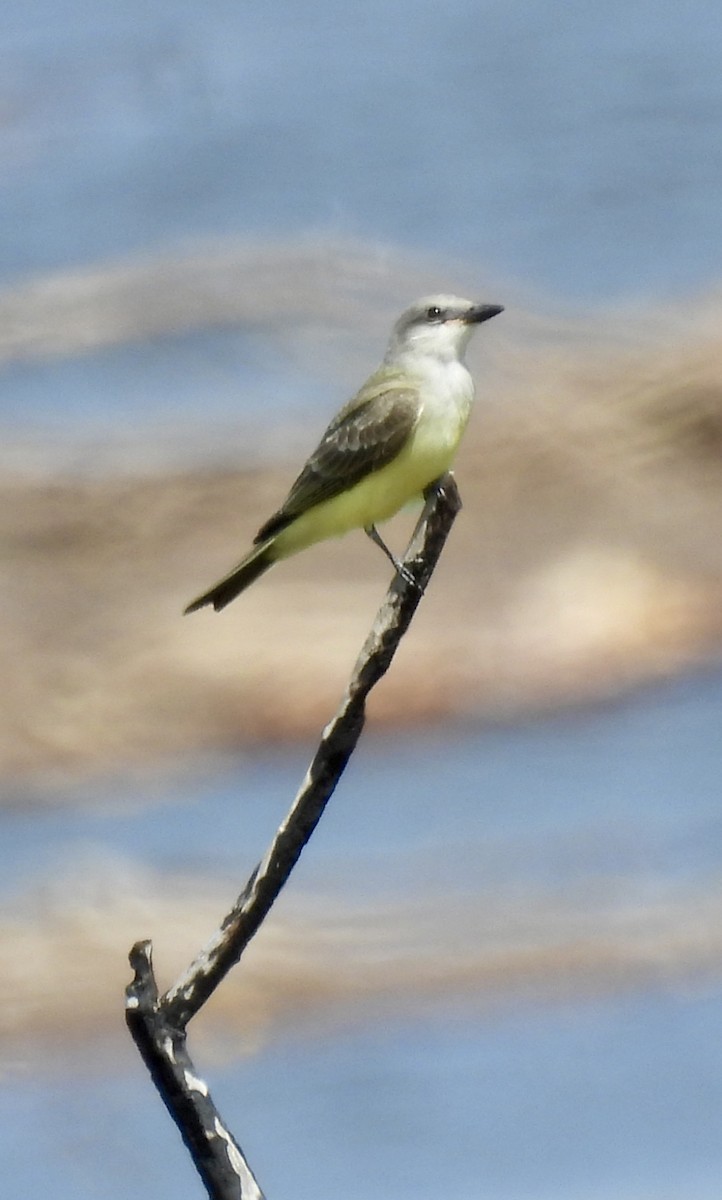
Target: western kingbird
(383, 449)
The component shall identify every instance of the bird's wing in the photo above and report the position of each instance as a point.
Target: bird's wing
(364, 436)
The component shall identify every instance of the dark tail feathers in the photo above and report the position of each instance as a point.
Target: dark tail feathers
(241, 577)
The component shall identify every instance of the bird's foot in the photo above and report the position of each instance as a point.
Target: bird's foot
(408, 576)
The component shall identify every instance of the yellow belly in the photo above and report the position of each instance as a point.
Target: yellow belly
(428, 454)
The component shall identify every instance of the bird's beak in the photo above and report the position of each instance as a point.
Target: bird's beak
(482, 312)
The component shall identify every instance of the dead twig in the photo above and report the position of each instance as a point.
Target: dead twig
(158, 1023)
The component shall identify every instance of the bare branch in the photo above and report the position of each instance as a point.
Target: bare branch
(158, 1025)
(337, 744)
(218, 1158)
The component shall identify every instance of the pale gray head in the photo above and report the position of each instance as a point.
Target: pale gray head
(439, 326)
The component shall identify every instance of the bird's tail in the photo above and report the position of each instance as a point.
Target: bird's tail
(237, 580)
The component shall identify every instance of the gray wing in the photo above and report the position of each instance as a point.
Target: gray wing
(364, 436)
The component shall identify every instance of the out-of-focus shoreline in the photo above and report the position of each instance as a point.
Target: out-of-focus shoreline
(587, 559)
(474, 953)
(526, 612)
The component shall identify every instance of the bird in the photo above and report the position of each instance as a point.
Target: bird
(383, 449)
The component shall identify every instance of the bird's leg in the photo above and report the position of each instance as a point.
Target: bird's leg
(436, 488)
(402, 570)
(431, 493)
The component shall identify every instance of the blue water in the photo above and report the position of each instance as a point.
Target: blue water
(570, 1104)
(608, 1101)
(574, 148)
(631, 788)
(615, 1099)
(568, 156)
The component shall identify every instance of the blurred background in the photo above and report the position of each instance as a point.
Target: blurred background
(499, 962)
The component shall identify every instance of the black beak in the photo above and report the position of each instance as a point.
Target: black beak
(483, 312)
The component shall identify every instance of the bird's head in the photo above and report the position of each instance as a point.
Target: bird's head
(439, 326)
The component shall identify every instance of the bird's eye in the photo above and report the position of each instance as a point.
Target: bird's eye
(433, 313)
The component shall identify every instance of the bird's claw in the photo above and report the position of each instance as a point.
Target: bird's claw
(408, 577)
